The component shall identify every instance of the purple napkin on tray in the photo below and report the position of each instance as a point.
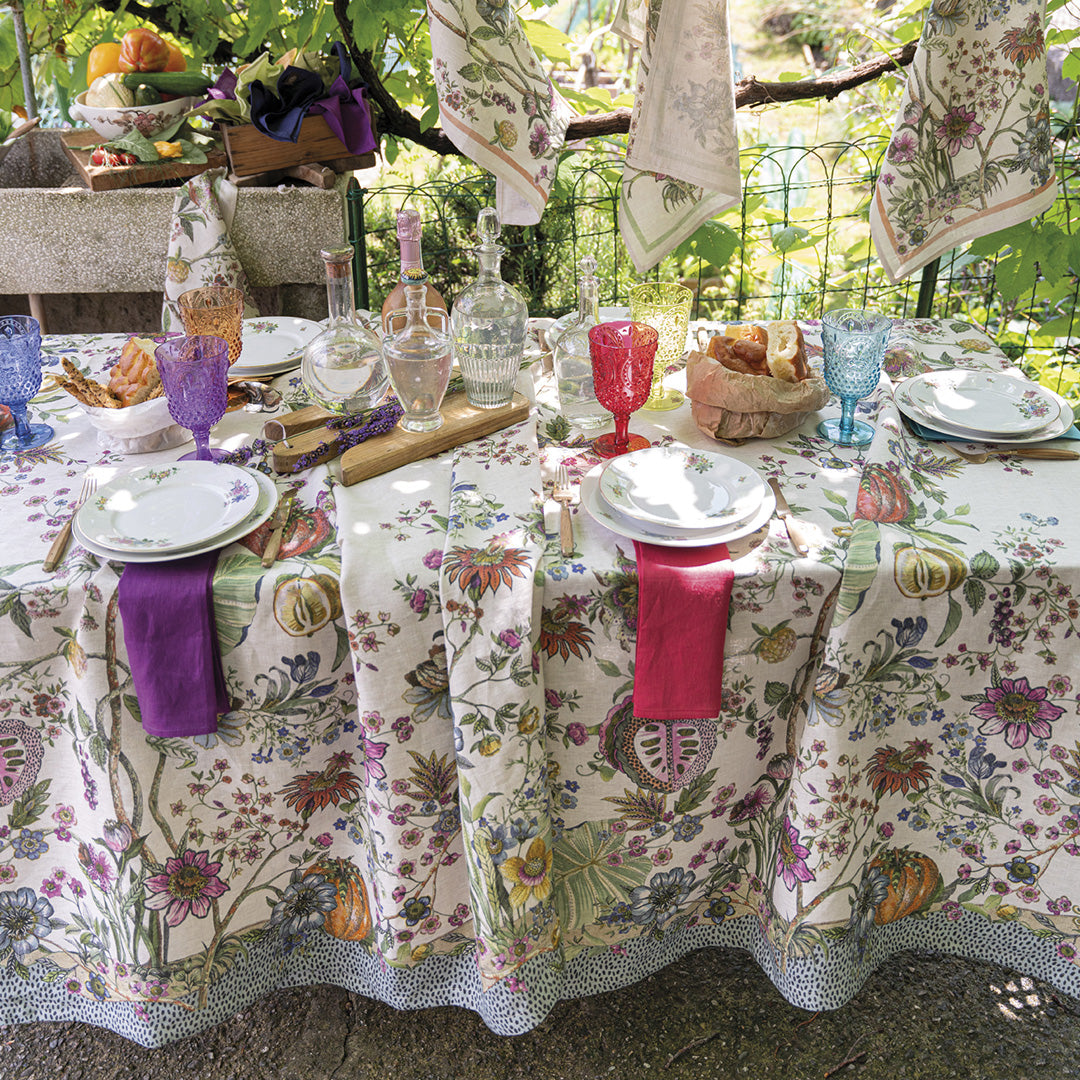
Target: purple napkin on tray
(167, 612)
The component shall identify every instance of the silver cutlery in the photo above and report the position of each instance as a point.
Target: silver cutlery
(791, 523)
(277, 530)
(59, 545)
(562, 494)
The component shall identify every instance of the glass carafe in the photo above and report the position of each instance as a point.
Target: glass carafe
(342, 368)
(419, 356)
(488, 323)
(573, 360)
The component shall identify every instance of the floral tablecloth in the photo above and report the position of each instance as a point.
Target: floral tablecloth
(431, 788)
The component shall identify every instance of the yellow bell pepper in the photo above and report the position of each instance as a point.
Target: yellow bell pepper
(168, 149)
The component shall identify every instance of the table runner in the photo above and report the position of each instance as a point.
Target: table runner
(971, 149)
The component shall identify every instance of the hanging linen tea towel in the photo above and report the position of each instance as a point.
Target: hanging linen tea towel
(496, 103)
(682, 160)
(971, 150)
(200, 250)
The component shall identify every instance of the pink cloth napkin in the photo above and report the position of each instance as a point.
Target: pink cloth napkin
(683, 597)
(167, 611)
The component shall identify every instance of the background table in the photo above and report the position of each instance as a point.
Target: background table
(419, 792)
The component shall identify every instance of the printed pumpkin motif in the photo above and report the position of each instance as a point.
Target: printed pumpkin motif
(351, 918)
(914, 883)
(882, 495)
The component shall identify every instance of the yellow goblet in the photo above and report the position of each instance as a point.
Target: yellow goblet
(665, 306)
(217, 310)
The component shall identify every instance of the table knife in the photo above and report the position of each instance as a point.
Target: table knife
(791, 523)
(277, 528)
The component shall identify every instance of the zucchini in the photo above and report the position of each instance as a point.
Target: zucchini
(182, 83)
(146, 95)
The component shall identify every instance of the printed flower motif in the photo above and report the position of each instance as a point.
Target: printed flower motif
(1020, 870)
(313, 791)
(719, 909)
(415, 909)
(30, 844)
(1024, 43)
(304, 904)
(958, 129)
(900, 771)
(117, 836)
(562, 634)
(24, 921)
(654, 904)
(485, 568)
(791, 856)
(302, 668)
(902, 148)
(873, 891)
(97, 865)
(429, 686)
(185, 887)
(751, 804)
(1018, 710)
(531, 876)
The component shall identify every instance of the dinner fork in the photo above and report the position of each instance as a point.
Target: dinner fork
(59, 545)
(562, 494)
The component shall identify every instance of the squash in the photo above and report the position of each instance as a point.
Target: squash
(351, 918)
(109, 92)
(914, 884)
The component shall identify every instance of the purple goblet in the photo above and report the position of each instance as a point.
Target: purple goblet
(195, 374)
(20, 380)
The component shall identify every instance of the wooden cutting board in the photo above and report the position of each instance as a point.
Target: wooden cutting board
(462, 423)
(79, 145)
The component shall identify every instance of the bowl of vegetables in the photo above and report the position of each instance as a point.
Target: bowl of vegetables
(114, 108)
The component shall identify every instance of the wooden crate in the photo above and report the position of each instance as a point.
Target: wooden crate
(251, 152)
(79, 145)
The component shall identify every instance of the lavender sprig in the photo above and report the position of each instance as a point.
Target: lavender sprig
(354, 430)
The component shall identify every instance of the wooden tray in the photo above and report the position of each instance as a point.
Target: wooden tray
(107, 178)
(251, 152)
(462, 423)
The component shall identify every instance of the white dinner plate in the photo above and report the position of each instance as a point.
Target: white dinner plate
(264, 507)
(273, 345)
(680, 487)
(165, 507)
(990, 403)
(1053, 430)
(611, 519)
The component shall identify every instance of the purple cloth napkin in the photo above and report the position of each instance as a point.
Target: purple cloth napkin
(167, 611)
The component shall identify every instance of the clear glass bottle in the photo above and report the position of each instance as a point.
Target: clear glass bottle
(408, 234)
(419, 356)
(342, 368)
(487, 322)
(573, 360)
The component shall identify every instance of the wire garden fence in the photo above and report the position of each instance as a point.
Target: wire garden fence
(800, 245)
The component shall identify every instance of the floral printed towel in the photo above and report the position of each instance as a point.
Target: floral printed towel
(971, 150)
(683, 597)
(200, 251)
(496, 104)
(682, 161)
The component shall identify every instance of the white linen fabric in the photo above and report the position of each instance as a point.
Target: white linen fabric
(971, 149)
(682, 161)
(496, 103)
(200, 250)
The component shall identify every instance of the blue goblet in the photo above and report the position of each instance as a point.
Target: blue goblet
(20, 380)
(854, 343)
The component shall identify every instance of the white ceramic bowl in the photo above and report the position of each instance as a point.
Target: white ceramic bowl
(147, 119)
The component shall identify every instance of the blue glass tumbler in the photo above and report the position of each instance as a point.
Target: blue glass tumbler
(854, 343)
(20, 380)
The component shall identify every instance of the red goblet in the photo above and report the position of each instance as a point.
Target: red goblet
(622, 363)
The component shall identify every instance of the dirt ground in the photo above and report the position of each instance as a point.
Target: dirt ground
(711, 1016)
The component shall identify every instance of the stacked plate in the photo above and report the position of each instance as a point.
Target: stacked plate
(162, 512)
(984, 406)
(676, 497)
(272, 346)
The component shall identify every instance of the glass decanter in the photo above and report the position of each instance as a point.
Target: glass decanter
(573, 359)
(488, 323)
(419, 356)
(342, 368)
